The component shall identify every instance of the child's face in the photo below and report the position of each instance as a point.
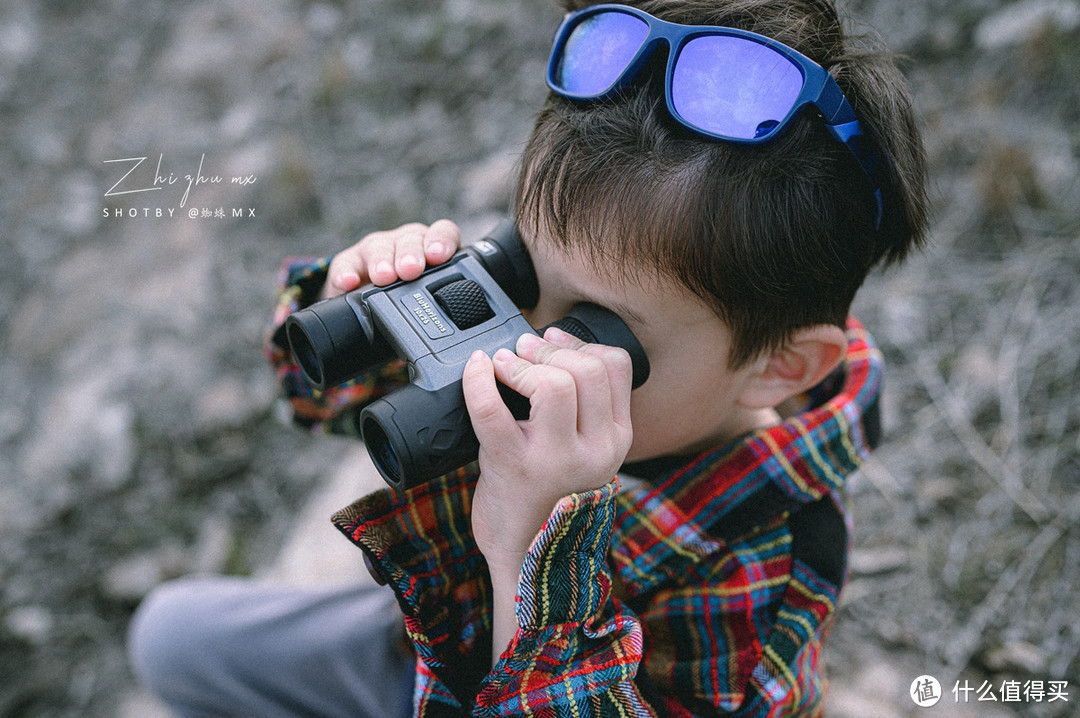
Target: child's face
(690, 402)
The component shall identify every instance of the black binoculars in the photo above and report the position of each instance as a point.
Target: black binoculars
(435, 322)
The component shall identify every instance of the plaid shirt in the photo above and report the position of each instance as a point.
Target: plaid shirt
(705, 591)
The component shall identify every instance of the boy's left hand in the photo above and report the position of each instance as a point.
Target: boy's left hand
(577, 435)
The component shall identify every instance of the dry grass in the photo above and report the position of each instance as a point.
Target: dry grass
(967, 541)
(968, 520)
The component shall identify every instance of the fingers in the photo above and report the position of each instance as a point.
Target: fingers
(442, 239)
(556, 400)
(385, 257)
(396, 254)
(578, 431)
(406, 252)
(602, 375)
(345, 274)
(492, 421)
(552, 392)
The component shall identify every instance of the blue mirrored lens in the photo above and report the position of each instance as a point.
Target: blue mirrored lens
(734, 87)
(598, 51)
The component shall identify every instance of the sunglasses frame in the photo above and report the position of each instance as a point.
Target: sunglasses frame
(819, 89)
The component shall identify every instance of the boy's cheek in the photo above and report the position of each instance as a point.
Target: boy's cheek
(646, 412)
(543, 314)
(671, 419)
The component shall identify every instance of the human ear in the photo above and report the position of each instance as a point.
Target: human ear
(802, 363)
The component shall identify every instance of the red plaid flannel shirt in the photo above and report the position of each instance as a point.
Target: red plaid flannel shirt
(705, 591)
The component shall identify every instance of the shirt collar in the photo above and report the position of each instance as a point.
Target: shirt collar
(733, 490)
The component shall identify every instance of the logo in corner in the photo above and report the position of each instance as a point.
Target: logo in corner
(925, 691)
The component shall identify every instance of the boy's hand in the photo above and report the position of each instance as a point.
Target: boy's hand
(384, 257)
(577, 435)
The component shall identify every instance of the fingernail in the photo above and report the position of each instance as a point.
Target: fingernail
(476, 356)
(558, 336)
(528, 341)
(384, 267)
(436, 249)
(503, 355)
(349, 280)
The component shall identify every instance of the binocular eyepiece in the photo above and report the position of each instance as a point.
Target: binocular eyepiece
(422, 430)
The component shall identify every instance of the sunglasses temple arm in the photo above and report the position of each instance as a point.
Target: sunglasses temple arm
(850, 135)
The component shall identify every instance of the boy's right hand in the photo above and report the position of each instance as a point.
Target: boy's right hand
(385, 257)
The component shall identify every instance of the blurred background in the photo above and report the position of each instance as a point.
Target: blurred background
(140, 433)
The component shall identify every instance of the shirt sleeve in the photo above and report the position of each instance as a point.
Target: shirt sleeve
(337, 409)
(576, 650)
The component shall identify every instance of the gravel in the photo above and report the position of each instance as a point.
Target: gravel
(140, 432)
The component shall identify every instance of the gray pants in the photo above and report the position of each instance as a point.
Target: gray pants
(214, 647)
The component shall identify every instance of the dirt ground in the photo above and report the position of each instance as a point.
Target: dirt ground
(141, 437)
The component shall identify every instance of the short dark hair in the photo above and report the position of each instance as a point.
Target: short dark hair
(773, 237)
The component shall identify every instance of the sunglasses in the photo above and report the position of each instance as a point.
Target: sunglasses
(720, 82)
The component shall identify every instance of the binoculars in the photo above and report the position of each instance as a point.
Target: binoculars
(422, 430)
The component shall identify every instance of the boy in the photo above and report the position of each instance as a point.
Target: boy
(730, 228)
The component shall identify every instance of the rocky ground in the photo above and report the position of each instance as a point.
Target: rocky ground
(140, 436)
